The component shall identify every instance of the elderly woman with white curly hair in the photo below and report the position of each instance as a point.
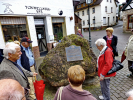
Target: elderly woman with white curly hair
(104, 64)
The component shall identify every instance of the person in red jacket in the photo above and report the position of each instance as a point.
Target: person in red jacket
(104, 64)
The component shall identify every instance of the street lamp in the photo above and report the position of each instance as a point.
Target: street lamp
(89, 2)
(94, 22)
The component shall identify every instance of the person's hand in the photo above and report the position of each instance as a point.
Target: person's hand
(101, 78)
(34, 73)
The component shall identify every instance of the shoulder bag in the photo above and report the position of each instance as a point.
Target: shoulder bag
(60, 93)
(116, 66)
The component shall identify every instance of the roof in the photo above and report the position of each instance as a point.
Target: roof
(97, 2)
(124, 8)
(77, 16)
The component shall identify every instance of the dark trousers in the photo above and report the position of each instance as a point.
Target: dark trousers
(130, 64)
(105, 88)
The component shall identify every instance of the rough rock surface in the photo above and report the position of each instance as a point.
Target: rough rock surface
(54, 67)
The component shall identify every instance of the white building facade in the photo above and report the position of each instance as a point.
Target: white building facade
(43, 21)
(102, 13)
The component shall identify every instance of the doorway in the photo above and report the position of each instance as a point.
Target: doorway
(108, 21)
(41, 38)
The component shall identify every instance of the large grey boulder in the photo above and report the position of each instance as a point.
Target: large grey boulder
(54, 67)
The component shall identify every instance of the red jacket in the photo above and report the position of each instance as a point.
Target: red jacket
(105, 63)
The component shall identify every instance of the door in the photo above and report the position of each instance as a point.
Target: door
(108, 21)
(41, 37)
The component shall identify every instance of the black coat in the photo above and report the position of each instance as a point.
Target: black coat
(113, 44)
(1, 55)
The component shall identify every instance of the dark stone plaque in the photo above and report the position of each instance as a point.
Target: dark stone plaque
(73, 53)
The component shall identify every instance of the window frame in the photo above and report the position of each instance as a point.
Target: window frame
(83, 4)
(93, 10)
(105, 8)
(111, 9)
(105, 21)
(83, 23)
(83, 13)
(78, 14)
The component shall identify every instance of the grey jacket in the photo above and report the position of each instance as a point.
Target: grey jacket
(9, 70)
(129, 49)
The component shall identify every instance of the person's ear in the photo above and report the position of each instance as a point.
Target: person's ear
(68, 80)
(10, 55)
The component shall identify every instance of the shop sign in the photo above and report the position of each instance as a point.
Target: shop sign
(23, 9)
(39, 21)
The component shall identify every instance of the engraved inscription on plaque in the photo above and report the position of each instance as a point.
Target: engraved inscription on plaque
(73, 53)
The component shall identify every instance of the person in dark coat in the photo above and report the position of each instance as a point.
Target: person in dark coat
(111, 40)
(1, 55)
(74, 91)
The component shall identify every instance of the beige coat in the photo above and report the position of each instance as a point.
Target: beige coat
(129, 49)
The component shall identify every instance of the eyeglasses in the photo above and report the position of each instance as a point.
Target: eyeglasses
(26, 92)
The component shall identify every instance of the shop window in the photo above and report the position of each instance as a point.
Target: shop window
(14, 28)
(130, 22)
(58, 32)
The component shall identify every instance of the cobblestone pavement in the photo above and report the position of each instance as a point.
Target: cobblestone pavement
(120, 84)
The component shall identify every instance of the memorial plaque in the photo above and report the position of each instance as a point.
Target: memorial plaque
(73, 53)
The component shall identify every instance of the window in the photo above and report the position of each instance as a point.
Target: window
(111, 9)
(78, 13)
(14, 28)
(83, 22)
(87, 22)
(130, 22)
(107, 0)
(82, 13)
(105, 8)
(78, 6)
(104, 20)
(87, 11)
(110, 1)
(83, 4)
(113, 18)
(93, 10)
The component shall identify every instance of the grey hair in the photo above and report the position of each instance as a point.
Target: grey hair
(129, 93)
(10, 48)
(100, 42)
(10, 90)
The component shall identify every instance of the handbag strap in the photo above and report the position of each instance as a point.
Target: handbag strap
(104, 52)
(60, 93)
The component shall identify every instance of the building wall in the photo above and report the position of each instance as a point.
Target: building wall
(108, 13)
(125, 15)
(85, 17)
(19, 8)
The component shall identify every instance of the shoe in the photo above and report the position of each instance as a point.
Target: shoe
(130, 75)
(101, 97)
